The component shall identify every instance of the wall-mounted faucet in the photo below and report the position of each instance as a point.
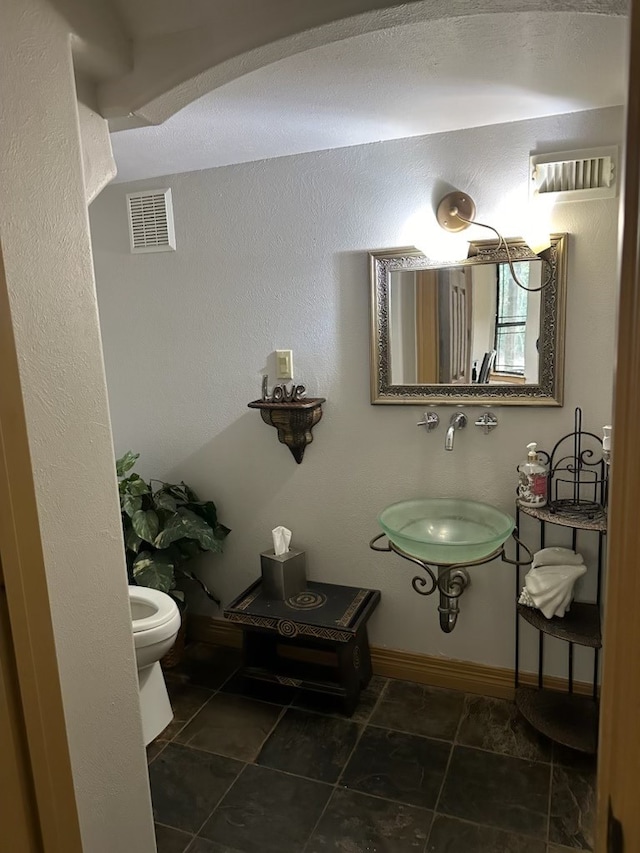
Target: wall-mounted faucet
(458, 421)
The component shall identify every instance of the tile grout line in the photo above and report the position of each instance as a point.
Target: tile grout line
(283, 711)
(192, 838)
(446, 772)
(336, 784)
(175, 828)
(364, 726)
(220, 799)
(214, 692)
(172, 739)
(194, 715)
(444, 776)
(458, 743)
(516, 833)
(317, 823)
(252, 761)
(550, 796)
(165, 744)
(224, 683)
(381, 695)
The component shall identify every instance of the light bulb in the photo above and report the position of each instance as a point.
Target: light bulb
(422, 231)
(537, 242)
(441, 246)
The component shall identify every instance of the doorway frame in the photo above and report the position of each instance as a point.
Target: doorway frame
(27, 600)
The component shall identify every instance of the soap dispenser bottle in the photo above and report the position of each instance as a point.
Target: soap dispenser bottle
(532, 483)
(606, 443)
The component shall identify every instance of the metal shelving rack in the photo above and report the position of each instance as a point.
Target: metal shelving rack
(576, 499)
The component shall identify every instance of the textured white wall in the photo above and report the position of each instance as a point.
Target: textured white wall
(97, 157)
(47, 253)
(274, 255)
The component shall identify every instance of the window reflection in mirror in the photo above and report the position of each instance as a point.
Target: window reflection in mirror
(465, 325)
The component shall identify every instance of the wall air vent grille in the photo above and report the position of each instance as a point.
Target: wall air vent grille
(575, 175)
(151, 221)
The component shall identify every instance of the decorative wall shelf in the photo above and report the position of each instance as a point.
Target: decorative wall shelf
(293, 420)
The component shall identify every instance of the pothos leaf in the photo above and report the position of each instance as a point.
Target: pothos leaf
(197, 528)
(131, 504)
(126, 463)
(193, 498)
(163, 500)
(221, 532)
(146, 524)
(153, 570)
(173, 531)
(132, 540)
(136, 485)
(206, 510)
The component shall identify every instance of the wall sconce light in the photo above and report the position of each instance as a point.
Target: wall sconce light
(457, 211)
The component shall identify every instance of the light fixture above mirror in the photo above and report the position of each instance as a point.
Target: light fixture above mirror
(456, 211)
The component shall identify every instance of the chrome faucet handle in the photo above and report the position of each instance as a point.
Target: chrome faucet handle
(430, 421)
(487, 422)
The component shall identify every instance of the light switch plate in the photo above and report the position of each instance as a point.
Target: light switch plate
(284, 364)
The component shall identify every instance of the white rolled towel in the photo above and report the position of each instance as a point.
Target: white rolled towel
(550, 588)
(556, 557)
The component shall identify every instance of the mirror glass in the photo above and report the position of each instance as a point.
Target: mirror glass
(441, 333)
(462, 325)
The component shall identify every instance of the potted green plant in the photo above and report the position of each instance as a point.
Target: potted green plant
(165, 526)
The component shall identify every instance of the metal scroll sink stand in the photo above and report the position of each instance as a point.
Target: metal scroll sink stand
(450, 579)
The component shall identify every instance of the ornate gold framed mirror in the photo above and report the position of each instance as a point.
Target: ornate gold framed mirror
(465, 333)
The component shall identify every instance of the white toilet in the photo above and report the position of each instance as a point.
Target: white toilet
(156, 619)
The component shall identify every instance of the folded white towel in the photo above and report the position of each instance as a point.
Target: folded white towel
(550, 588)
(556, 557)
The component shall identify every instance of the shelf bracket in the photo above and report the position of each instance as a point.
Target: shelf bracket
(294, 421)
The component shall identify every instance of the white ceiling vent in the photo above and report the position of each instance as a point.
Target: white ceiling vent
(151, 221)
(575, 175)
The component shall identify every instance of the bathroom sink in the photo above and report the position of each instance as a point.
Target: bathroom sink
(445, 531)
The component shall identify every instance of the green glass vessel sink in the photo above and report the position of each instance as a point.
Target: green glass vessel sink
(445, 531)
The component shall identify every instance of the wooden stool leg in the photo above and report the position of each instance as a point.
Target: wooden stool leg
(364, 653)
(349, 673)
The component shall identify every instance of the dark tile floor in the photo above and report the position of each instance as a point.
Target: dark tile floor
(251, 768)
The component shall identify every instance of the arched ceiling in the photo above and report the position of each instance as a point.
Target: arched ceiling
(419, 78)
(183, 51)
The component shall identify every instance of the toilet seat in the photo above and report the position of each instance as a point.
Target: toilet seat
(157, 616)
